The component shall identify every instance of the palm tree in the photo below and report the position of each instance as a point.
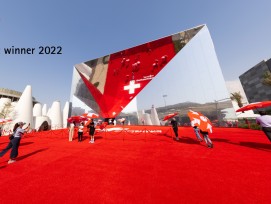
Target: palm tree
(236, 96)
(267, 78)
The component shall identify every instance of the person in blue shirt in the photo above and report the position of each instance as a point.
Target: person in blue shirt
(14, 143)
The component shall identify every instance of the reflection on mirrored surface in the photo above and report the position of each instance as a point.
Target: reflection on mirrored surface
(171, 74)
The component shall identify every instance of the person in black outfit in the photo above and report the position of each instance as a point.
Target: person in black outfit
(91, 127)
(175, 128)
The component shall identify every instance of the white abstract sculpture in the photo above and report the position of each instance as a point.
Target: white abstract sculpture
(154, 116)
(49, 112)
(56, 116)
(65, 114)
(23, 111)
(37, 110)
(147, 119)
(39, 120)
(44, 109)
(141, 120)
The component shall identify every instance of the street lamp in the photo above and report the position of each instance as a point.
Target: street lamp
(164, 96)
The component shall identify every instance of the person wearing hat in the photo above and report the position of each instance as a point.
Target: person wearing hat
(14, 143)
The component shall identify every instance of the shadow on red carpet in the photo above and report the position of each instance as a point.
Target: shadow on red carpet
(139, 164)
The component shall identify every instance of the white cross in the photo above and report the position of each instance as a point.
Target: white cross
(131, 87)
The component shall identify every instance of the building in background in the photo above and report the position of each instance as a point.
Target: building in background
(21, 107)
(175, 73)
(236, 87)
(253, 82)
(13, 95)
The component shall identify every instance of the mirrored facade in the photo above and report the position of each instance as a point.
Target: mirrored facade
(173, 74)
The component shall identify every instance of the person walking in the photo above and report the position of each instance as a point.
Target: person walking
(91, 127)
(14, 143)
(197, 131)
(207, 139)
(264, 121)
(80, 132)
(174, 125)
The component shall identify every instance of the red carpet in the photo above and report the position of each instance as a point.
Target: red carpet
(136, 166)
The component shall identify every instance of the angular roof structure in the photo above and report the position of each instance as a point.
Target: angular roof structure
(109, 83)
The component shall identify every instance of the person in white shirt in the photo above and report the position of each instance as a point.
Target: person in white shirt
(80, 132)
(265, 121)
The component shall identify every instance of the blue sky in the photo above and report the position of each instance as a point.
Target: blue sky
(90, 29)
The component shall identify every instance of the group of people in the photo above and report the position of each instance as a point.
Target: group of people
(18, 131)
(263, 120)
(80, 132)
(197, 131)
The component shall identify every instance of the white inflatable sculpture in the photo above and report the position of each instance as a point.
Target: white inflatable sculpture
(56, 116)
(37, 110)
(65, 114)
(141, 120)
(44, 110)
(147, 119)
(154, 116)
(23, 111)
